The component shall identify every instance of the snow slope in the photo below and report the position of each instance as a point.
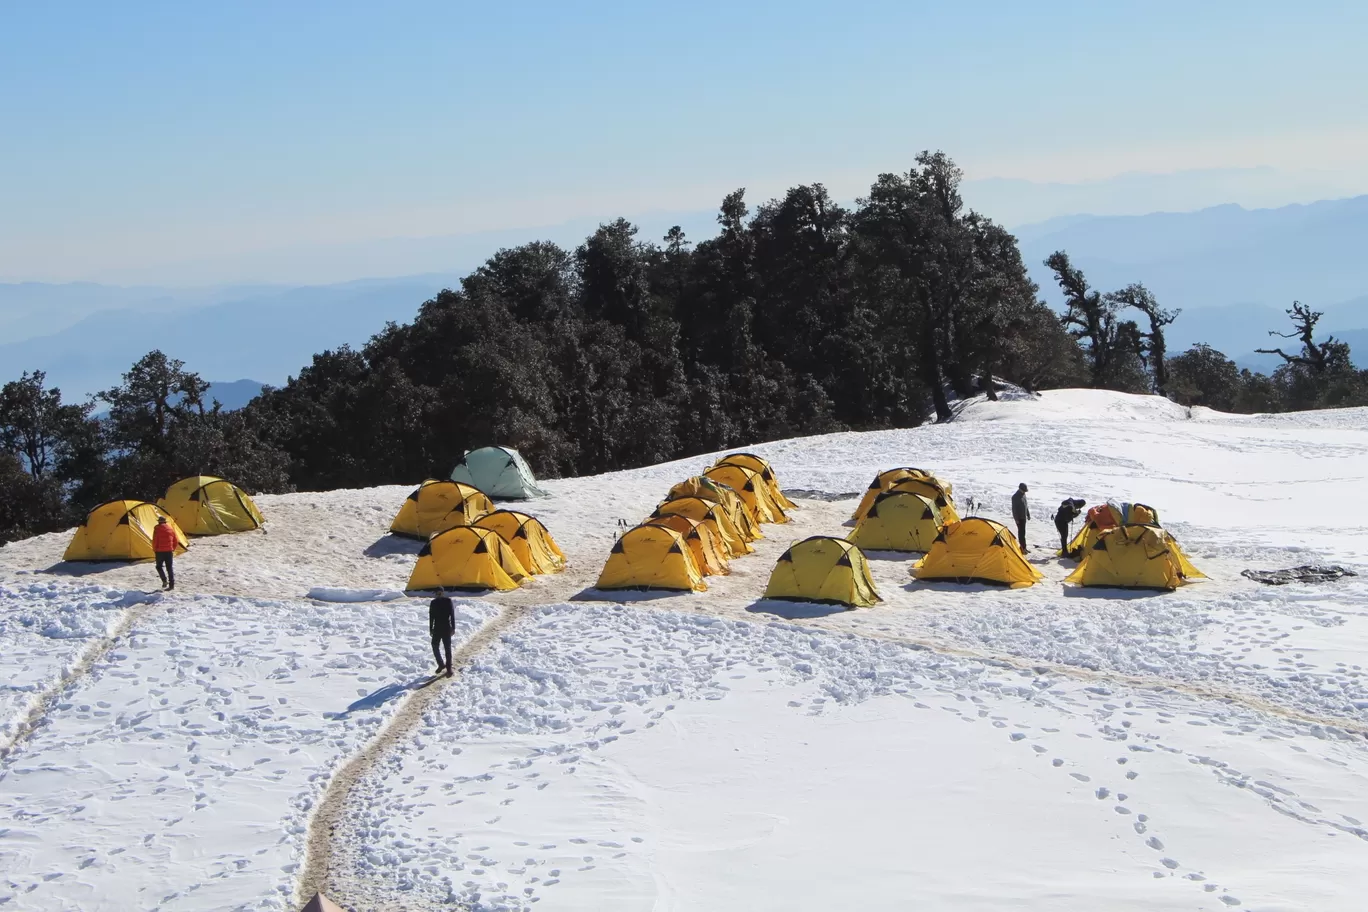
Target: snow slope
(600, 759)
(954, 746)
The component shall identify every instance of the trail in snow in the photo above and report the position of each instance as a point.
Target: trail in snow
(179, 772)
(319, 845)
(34, 669)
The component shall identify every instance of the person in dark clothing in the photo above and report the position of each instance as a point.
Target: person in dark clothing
(164, 544)
(1068, 511)
(441, 624)
(1021, 511)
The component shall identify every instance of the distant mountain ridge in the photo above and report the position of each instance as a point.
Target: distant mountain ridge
(268, 337)
(1232, 270)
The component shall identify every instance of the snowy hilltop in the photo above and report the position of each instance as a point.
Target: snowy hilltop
(269, 728)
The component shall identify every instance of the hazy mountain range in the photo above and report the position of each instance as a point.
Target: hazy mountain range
(1232, 270)
(266, 336)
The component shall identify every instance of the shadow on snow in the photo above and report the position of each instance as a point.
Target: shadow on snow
(388, 545)
(377, 698)
(795, 611)
(89, 568)
(627, 595)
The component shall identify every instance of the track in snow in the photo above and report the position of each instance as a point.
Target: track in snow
(319, 847)
(91, 653)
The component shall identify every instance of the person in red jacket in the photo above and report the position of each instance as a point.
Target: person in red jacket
(164, 544)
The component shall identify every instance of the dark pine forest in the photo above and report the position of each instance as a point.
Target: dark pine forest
(801, 316)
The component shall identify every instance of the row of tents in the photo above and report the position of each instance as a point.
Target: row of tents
(469, 543)
(706, 521)
(1119, 545)
(497, 550)
(207, 505)
(701, 525)
(199, 505)
(913, 510)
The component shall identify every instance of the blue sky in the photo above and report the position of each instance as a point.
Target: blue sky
(143, 135)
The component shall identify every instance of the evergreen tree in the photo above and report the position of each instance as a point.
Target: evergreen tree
(1203, 376)
(1321, 374)
(1113, 346)
(1152, 349)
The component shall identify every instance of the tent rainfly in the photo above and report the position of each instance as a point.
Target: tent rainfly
(205, 505)
(500, 472)
(120, 530)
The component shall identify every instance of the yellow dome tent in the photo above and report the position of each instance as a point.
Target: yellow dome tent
(757, 464)
(118, 531)
(205, 505)
(440, 505)
(932, 488)
(651, 557)
(823, 569)
(537, 551)
(697, 508)
(752, 490)
(704, 543)
(899, 521)
(467, 557)
(742, 514)
(933, 491)
(977, 550)
(1135, 556)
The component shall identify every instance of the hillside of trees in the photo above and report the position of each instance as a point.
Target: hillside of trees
(800, 317)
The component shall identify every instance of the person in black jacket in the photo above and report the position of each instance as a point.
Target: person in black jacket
(1021, 511)
(441, 624)
(1068, 511)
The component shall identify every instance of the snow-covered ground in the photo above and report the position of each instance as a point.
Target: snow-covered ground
(965, 747)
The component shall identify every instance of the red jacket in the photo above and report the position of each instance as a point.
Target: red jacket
(164, 538)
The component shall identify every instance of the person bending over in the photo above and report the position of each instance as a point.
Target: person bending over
(1068, 511)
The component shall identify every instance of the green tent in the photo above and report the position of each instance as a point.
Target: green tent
(499, 472)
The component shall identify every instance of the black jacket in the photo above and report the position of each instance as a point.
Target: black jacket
(441, 616)
(1068, 511)
(1021, 510)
